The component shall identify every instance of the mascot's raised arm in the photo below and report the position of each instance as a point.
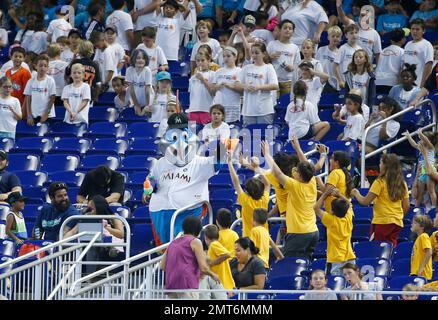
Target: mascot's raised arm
(179, 178)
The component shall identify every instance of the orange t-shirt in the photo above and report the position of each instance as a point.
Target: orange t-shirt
(19, 80)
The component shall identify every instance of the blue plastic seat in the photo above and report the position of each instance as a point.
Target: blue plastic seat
(109, 146)
(175, 68)
(286, 282)
(184, 98)
(320, 250)
(330, 99)
(288, 267)
(128, 115)
(403, 250)
(350, 147)
(409, 178)
(19, 162)
(6, 144)
(91, 162)
(141, 238)
(373, 249)
(24, 130)
(32, 178)
(180, 83)
(7, 248)
(141, 214)
(71, 178)
(326, 115)
(63, 129)
(336, 282)
(135, 163)
(401, 267)
(397, 283)
(4, 211)
(107, 97)
(261, 130)
(335, 130)
(78, 146)
(59, 162)
(34, 193)
(107, 130)
(435, 270)
(102, 114)
(306, 146)
(142, 130)
(34, 145)
(318, 264)
(30, 212)
(363, 215)
(137, 178)
(59, 113)
(143, 146)
(122, 211)
(283, 101)
(361, 232)
(285, 296)
(411, 214)
(374, 267)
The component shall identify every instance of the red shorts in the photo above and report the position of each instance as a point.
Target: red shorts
(386, 232)
(200, 117)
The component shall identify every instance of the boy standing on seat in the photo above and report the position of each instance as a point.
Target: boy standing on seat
(421, 259)
(227, 237)
(15, 225)
(105, 58)
(40, 93)
(56, 68)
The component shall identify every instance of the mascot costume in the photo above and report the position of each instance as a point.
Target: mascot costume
(179, 178)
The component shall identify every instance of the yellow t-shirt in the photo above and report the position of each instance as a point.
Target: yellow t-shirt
(260, 236)
(337, 179)
(227, 238)
(248, 205)
(280, 193)
(386, 211)
(223, 270)
(300, 217)
(434, 243)
(339, 231)
(421, 244)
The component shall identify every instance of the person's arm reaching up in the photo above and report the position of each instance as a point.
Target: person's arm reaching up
(276, 171)
(233, 174)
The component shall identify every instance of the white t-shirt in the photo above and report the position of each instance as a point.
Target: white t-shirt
(4, 36)
(40, 91)
(162, 128)
(8, 65)
(418, 53)
(354, 128)
(389, 66)
(263, 35)
(106, 61)
(38, 43)
(314, 90)
(258, 103)
(57, 71)
(75, 95)
(8, 123)
(251, 5)
(345, 56)
(146, 20)
(123, 22)
(300, 119)
(290, 54)
(119, 55)
(392, 128)
(122, 104)
(220, 133)
(327, 58)
(225, 96)
(140, 81)
(212, 43)
(67, 55)
(156, 57)
(58, 28)
(160, 101)
(25, 39)
(168, 35)
(405, 97)
(200, 98)
(181, 186)
(306, 20)
(370, 41)
(360, 81)
(365, 112)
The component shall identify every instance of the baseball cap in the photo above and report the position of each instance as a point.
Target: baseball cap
(164, 75)
(305, 64)
(75, 31)
(62, 9)
(3, 155)
(14, 197)
(178, 121)
(249, 19)
(111, 27)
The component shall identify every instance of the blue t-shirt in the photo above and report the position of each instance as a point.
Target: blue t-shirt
(209, 8)
(232, 4)
(8, 181)
(388, 22)
(424, 14)
(49, 220)
(49, 15)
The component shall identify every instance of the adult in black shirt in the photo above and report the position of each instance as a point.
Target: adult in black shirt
(97, 14)
(247, 269)
(102, 181)
(9, 182)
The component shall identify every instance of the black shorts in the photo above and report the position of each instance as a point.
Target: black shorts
(310, 134)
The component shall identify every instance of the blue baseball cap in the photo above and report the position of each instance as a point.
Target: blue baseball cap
(164, 75)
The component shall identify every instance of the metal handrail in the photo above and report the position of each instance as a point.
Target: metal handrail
(365, 156)
(190, 207)
(273, 219)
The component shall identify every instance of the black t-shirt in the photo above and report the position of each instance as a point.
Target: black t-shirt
(431, 83)
(92, 74)
(245, 278)
(94, 25)
(90, 189)
(8, 181)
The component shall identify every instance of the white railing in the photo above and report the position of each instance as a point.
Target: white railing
(189, 207)
(365, 156)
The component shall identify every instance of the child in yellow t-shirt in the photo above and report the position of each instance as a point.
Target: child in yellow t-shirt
(218, 256)
(434, 239)
(256, 196)
(227, 237)
(339, 224)
(261, 238)
(421, 262)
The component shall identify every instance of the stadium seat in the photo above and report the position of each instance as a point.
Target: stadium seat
(2, 234)
(91, 162)
(401, 267)
(363, 215)
(122, 211)
(136, 179)
(136, 163)
(361, 232)
(102, 114)
(78, 146)
(135, 200)
(7, 248)
(71, 178)
(409, 178)
(318, 264)
(411, 214)
(59, 113)
(320, 250)
(4, 211)
(350, 147)
(6, 144)
(406, 234)
(109, 146)
(107, 97)
(141, 238)
(30, 212)
(435, 270)
(184, 98)
(285, 296)
(328, 100)
(128, 115)
(397, 283)
(326, 115)
(107, 130)
(142, 130)
(23, 162)
(286, 282)
(24, 130)
(32, 145)
(180, 83)
(403, 250)
(336, 282)
(32, 178)
(306, 145)
(374, 267)
(265, 131)
(288, 266)
(141, 214)
(59, 162)
(143, 146)
(34, 193)
(374, 249)
(63, 129)
(335, 130)
(284, 100)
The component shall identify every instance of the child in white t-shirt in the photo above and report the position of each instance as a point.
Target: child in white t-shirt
(104, 57)
(122, 21)
(122, 100)
(157, 58)
(203, 29)
(56, 67)
(40, 93)
(308, 52)
(225, 86)
(217, 129)
(119, 53)
(71, 51)
(58, 27)
(315, 81)
(77, 96)
(162, 97)
(10, 109)
(327, 56)
(170, 109)
(302, 116)
(139, 77)
(345, 54)
(355, 122)
(406, 93)
(201, 90)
